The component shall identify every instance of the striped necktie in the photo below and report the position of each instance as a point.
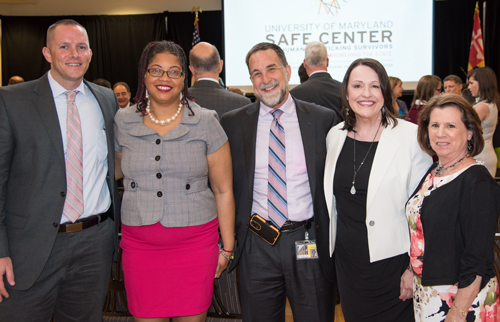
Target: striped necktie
(73, 206)
(276, 192)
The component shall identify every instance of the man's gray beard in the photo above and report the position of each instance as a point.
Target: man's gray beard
(272, 100)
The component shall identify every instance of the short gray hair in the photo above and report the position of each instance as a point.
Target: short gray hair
(207, 64)
(263, 46)
(316, 54)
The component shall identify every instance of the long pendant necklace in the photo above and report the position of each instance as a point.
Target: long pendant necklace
(353, 190)
(440, 168)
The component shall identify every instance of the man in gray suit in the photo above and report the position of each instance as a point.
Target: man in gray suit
(205, 66)
(58, 196)
(320, 88)
(271, 273)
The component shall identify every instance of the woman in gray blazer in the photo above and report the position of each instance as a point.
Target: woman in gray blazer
(170, 148)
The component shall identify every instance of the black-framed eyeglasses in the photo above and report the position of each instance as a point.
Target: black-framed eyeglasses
(158, 72)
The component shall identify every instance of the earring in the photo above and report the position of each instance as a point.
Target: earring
(383, 111)
(147, 99)
(469, 146)
(347, 113)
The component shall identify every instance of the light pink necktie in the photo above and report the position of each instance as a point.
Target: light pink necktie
(73, 206)
(276, 193)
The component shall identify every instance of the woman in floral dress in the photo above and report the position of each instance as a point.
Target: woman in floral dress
(452, 217)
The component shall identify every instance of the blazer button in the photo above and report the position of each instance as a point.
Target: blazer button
(63, 194)
(188, 186)
(158, 175)
(371, 223)
(132, 185)
(158, 141)
(159, 194)
(55, 224)
(157, 158)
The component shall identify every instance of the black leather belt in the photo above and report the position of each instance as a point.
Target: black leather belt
(84, 223)
(290, 225)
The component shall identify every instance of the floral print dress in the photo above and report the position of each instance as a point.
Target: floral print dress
(432, 303)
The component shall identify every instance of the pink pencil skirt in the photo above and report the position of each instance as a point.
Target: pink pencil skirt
(169, 271)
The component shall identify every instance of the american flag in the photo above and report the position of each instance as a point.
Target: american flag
(196, 33)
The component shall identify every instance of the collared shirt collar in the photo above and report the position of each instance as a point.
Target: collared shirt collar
(57, 89)
(209, 79)
(288, 107)
(318, 71)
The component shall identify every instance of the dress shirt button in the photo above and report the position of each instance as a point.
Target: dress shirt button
(188, 186)
(55, 224)
(132, 185)
(157, 158)
(371, 223)
(158, 141)
(158, 175)
(159, 194)
(63, 194)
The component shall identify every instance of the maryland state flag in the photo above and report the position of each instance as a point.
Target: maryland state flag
(476, 55)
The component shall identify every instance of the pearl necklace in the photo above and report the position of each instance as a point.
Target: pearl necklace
(162, 122)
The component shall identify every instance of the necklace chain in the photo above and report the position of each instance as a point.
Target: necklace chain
(162, 122)
(353, 190)
(441, 168)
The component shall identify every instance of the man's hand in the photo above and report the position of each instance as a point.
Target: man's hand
(7, 270)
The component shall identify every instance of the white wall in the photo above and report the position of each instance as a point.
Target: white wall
(102, 7)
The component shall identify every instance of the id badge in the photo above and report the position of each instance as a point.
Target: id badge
(306, 249)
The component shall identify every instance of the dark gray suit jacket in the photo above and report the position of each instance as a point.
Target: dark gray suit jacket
(211, 95)
(323, 90)
(33, 175)
(241, 128)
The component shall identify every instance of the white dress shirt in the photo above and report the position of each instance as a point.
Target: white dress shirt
(96, 196)
(299, 197)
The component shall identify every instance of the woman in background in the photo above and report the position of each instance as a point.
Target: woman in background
(373, 164)
(483, 86)
(170, 148)
(398, 105)
(427, 87)
(452, 218)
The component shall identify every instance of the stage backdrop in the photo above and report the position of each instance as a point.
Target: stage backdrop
(117, 41)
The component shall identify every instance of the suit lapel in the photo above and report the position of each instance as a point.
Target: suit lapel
(249, 126)
(46, 107)
(335, 144)
(307, 131)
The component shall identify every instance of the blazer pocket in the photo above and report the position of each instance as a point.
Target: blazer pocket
(15, 220)
(193, 186)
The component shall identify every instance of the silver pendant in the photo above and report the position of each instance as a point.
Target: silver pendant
(353, 190)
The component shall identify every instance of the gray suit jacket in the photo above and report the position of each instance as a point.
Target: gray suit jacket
(241, 128)
(211, 95)
(321, 89)
(33, 175)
